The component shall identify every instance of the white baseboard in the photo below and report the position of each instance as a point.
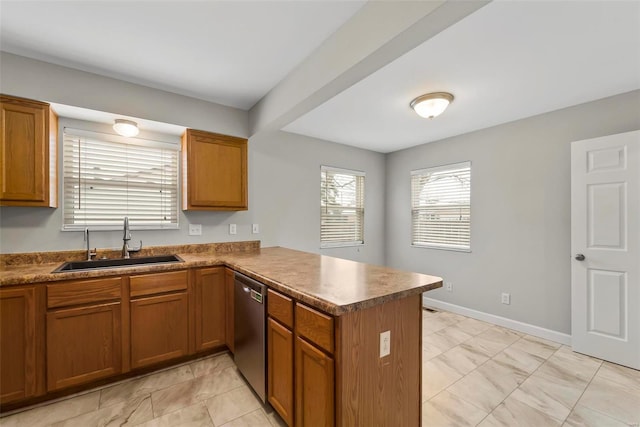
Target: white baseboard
(527, 328)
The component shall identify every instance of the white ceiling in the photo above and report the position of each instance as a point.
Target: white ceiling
(227, 52)
(507, 61)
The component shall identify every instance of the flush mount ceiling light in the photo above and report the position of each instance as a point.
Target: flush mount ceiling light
(432, 104)
(126, 127)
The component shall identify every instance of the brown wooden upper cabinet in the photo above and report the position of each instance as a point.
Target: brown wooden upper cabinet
(28, 167)
(214, 169)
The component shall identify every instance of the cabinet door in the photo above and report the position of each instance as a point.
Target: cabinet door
(216, 168)
(280, 369)
(25, 153)
(18, 344)
(159, 329)
(83, 344)
(229, 278)
(210, 310)
(314, 386)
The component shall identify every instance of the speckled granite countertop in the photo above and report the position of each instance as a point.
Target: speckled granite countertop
(333, 285)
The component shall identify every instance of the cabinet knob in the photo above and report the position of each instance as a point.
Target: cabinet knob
(580, 257)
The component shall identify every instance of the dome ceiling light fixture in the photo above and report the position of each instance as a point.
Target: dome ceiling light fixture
(432, 104)
(126, 127)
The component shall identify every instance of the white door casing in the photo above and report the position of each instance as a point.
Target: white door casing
(605, 229)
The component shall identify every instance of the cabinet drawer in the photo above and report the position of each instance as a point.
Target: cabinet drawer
(315, 326)
(157, 283)
(280, 307)
(83, 292)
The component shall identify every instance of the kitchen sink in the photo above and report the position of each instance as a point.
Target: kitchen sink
(116, 263)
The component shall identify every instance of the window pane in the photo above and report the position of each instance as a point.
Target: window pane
(342, 207)
(441, 207)
(104, 181)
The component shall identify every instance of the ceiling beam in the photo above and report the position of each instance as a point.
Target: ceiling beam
(379, 33)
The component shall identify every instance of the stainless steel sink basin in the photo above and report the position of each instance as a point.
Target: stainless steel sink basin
(116, 263)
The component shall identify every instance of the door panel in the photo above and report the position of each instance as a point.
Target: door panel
(229, 276)
(83, 344)
(607, 301)
(159, 329)
(314, 389)
(210, 310)
(280, 369)
(23, 152)
(18, 344)
(606, 211)
(605, 228)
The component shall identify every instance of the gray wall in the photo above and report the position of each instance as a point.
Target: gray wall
(285, 192)
(284, 170)
(284, 199)
(520, 211)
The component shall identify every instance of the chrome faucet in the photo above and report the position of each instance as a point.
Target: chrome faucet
(90, 254)
(126, 250)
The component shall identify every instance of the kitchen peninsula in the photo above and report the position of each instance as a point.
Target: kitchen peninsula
(327, 319)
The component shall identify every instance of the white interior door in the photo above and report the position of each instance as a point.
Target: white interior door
(605, 241)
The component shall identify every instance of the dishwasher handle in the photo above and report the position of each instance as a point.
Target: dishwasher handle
(256, 290)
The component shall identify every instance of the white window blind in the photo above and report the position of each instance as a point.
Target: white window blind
(342, 207)
(107, 177)
(441, 207)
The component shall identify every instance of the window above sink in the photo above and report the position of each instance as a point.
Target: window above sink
(107, 177)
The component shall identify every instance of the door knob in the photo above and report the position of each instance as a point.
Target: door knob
(580, 257)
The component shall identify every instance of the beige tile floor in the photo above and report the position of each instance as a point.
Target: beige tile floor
(474, 373)
(478, 374)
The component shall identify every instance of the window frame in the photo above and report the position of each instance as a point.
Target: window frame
(441, 246)
(357, 174)
(135, 141)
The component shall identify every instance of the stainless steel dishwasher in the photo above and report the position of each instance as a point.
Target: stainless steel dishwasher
(250, 330)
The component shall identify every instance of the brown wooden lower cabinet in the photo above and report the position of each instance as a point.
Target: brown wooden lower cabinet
(210, 302)
(314, 386)
(83, 344)
(229, 279)
(159, 329)
(322, 370)
(280, 369)
(18, 338)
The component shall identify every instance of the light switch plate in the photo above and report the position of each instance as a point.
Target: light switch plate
(385, 344)
(195, 229)
(255, 228)
(232, 229)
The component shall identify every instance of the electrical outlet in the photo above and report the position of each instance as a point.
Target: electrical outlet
(255, 228)
(448, 286)
(233, 229)
(195, 229)
(385, 343)
(506, 298)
